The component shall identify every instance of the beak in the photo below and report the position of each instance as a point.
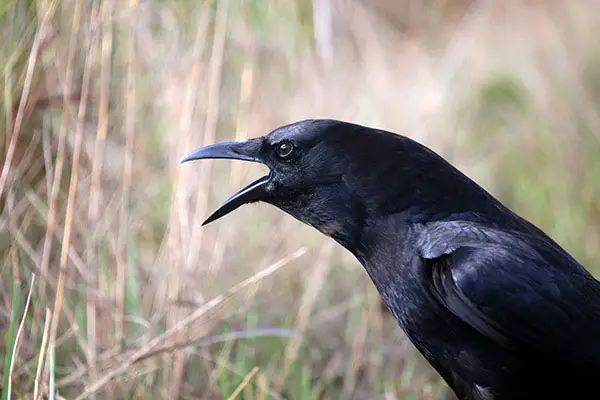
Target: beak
(247, 151)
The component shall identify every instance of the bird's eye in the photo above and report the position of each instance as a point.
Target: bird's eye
(285, 150)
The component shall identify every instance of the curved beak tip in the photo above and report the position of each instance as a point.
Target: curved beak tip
(184, 160)
(205, 222)
(190, 157)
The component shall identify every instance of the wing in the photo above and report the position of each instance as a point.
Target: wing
(514, 293)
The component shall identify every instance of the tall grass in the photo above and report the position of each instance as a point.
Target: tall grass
(133, 299)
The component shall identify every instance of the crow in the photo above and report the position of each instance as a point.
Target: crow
(496, 306)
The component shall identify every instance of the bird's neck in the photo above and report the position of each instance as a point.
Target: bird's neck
(330, 209)
(392, 233)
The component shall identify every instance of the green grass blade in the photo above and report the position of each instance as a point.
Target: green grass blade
(14, 352)
(132, 292)
(11, 337)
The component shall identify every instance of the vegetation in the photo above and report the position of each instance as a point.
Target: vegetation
(110, 288)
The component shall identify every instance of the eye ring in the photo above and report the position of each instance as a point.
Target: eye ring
(284, 150)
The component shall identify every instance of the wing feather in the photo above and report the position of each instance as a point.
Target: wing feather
(514, 293)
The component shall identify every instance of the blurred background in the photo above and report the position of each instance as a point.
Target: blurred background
(109, 287)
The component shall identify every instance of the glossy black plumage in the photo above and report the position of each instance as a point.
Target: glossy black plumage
(498, 308)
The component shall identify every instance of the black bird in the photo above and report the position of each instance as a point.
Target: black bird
(498, 308)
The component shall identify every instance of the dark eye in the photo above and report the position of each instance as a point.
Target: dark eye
(284, 150)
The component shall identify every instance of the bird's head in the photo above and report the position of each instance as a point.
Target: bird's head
(330, 174)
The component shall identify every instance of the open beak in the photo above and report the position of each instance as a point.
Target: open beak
(248, 151)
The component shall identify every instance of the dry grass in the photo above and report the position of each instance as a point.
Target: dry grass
(134, 299)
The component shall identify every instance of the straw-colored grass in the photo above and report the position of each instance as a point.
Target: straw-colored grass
(134, 299)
